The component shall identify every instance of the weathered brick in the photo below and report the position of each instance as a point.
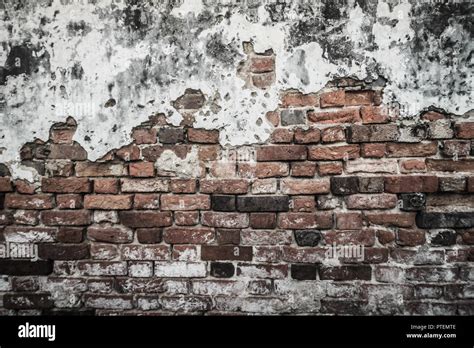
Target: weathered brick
(267, 237)
(333, 134)
(363, 97)
(441, 165)
(412, 150)
(227, 236)
(108, 202)
(413, 201)
(144, 185)
(291, 117)
(141, 169)
(309, 238)
(303, 169)
(222, 269)
(330, 168)
(349, 221)
(146, 201)
(372, 166)
(106, 185)
(344, 185)
(464, 130)
(445, 220)
(203, 136)
(225, 220)
(190, 235)
(263, 220)
(144, 135)
(371, 201)
(117, 235)
(225, 186)
(34, 234)
(338, 116)
(263, 203)
(456, 148)
(295, 98)
(281, 136)
(28, 202)
(410, 237)
(373, 150)
(70, 234)
(69, 201)
(144, 252)
(185, 202)
(333, 98)
(66, 217)
(374, 114)
(333, 153)
(307, 136)
(6, 185)
(452, 184)
(412, 166)
(183, 185)
(170, 135)
(304, 186)
(100, 169)
(223, 252)
(402, 184)
(345, 273)
(27, 301)
(149, 235)
(141, 219)
(223, 203)
(305, 220)
(391, 219)
(364, 237)
(281, 153)
(371, 184)
(372, 133)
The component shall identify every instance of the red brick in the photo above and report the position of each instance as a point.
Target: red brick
(128, 153)
(412, 150)
(188, 235)
(433, 116)
(74, 152)
(66, 218)
(271, 169)
(145, 252)
(330, 168)
(412, 166)
(106, 185)
(65, 185)
(391, 219)
(262, 64)
(184, 252)
(281, 153)
(140, 219)
(470, 184)
(304, 186)
(345, 273)
(222, 252)
(263, 220)
(263, 80)
(27, 202)
(439, 165)
(303, 204)
(273, 117)
(333, 153)
(385, 236)
(303, 255)
(229, 186)
(411, 183)
(333, 99)
(359, 237)
(144, 135)
(186, 218)
(281, 135)
(224, 220)
(228, 236)
(307, 136)
(464, 130)
(185, 202)
(146, 201)
(411, 237)
(25, 217)
(59, 168)
(371, 201)
(24, 187)
(69, 201)
(374, 150)
(305, 220)
(141, 169)
(333, 134)
(374, 114)
(339, 116)
(100, 169)
(303, 169)
(359, 97)
(298, 99)
(6, 185)
(203, 136)
(183, 185)
(349, 221)
(108, 202)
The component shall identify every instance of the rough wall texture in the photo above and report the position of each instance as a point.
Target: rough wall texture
(207, 157)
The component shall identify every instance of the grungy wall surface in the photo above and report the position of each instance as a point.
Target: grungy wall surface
(209, 156)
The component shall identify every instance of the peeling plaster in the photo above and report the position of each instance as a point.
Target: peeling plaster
(79, 55)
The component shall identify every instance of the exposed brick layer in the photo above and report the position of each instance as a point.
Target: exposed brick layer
(250, 235)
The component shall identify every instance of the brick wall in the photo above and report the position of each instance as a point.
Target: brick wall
(247, 230)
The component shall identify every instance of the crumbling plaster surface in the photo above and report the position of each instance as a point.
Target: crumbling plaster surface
(78, 55)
